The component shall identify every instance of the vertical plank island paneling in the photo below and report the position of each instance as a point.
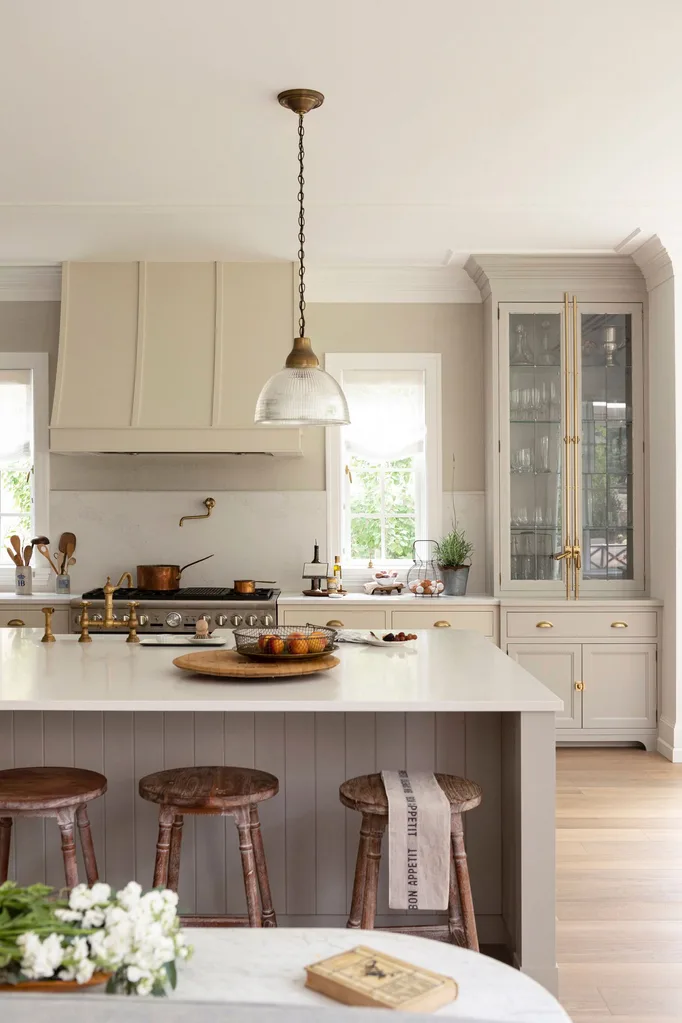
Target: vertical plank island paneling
(119, 802)
(330, 819)
(360, 759)
(270, 756)
(238, 751)
(29, 833)
(299, 733)
(483, 837)
(58, 752)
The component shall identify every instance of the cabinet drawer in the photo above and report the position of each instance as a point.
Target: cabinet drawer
(477, 621)
(33, 618)
(582, 624)
(359, 618)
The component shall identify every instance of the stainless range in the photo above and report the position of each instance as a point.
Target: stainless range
(179, 610)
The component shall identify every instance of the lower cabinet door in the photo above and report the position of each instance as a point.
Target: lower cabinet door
(340, 618)
(558, 666)
(620, 686)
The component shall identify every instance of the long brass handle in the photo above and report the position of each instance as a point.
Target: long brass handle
(442, 625)
(619, 625)
(335, 624)
(580, 686)
(16, 623)
(544, 625)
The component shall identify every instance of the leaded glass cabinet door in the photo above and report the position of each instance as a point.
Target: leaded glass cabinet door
(532, 447)
(610, 450)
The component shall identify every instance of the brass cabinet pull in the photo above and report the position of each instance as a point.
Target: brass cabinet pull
(619, 625)
(16, 623)
(580, 686)
(441, 625)
(335, 624)
(544, 625)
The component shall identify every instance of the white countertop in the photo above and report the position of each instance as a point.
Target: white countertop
(449, 670)
(43, 599)
(425, 603)
(267, 966)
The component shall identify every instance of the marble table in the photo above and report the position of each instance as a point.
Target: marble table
(267, 967)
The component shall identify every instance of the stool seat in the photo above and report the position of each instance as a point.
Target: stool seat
(48, 788)
(367, 794)
(209, 789)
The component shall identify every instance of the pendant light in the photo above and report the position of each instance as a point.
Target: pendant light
(301, 394)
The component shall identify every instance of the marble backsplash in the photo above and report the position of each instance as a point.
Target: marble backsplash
(262, 534)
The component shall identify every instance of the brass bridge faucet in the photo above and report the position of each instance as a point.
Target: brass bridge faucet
(109, 621)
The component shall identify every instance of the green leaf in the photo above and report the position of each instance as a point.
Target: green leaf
(172, 974)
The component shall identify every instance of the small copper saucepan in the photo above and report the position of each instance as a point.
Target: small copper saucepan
(163, 577)
(249, 585)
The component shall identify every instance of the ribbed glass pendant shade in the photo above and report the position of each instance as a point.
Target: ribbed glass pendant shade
(302, 397)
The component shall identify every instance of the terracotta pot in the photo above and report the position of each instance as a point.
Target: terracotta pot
(57, 987)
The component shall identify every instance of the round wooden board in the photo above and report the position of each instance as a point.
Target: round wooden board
(230, 664)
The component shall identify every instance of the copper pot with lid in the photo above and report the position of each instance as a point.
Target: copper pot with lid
(249, 585)
(163, 577)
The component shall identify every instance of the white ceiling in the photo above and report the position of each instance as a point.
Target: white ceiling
(150, 128)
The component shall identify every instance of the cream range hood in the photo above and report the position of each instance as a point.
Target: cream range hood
(170, 357)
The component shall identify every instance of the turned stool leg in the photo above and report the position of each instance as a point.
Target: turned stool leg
(86, 844)
(360, 874)
(243, 822)
(463, 883)
(166, 818)
(66, 818)
(369, 907)
(268, 912)
(5, 839)
(455, 922)
(174, 855)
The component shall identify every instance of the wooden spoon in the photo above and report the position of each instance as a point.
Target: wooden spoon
(46, 554)
(16, 543)
(17, 561)
(28, 554)
(67, 545)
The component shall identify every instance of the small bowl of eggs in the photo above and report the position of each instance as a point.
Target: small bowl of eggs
(285, 642)
(427, 587)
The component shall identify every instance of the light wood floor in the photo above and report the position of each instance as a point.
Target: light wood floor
(619, 886)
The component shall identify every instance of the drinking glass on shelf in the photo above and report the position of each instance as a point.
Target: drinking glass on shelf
(522, 460)
(542, 454)
(520, 516)
(522, 355)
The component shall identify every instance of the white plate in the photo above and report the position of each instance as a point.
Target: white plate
(351, 636)
(166, 640)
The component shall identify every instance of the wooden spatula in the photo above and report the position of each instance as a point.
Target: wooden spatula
(16, 543)
(67, 545)
(17, 561)
(28, 554)
(46, 554)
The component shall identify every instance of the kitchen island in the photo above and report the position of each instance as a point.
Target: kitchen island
(454, 704)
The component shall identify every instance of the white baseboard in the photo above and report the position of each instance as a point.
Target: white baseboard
(671, 753)
(547, 976)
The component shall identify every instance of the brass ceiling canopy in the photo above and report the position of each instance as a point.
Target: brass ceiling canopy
(301, 101)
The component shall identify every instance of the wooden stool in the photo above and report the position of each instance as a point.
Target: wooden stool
(60, 792)
(367, 795)
(224, 791)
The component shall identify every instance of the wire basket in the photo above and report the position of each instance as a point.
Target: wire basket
(425, 578)
(285, 642)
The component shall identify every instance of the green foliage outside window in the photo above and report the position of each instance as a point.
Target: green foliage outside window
(17, 482)
(382, 509)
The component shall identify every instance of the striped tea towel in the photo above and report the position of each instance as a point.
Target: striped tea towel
(418, 841)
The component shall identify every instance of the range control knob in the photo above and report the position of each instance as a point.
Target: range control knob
(143, 619)
(268, 621)
(251, 620)
(236, 620)
(221, 620)
(204, 618)
(174, 619)
(96, 618)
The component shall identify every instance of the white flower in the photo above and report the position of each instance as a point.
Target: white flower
(134, 974)
(84, 972)
(130, 895)
(169, 897)
(93, 918)
(100, 893)
(68, 915)
(145, 986)
(80, 898)
(40, 958)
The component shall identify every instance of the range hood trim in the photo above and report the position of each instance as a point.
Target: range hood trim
(210, 441)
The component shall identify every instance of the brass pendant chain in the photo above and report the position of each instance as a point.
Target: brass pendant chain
(301, 231)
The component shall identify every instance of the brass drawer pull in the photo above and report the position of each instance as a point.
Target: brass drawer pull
(335, 624)
(544, 625)
(16, 623)
(619, 625)
(580, 686)
(441, 625)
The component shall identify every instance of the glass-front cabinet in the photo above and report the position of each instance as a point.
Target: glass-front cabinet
(570, 451)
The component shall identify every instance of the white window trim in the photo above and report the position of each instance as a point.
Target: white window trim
(37, 363)
(335, 364)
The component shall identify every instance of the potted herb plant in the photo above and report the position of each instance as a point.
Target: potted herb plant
(127, 939)
(452, 551)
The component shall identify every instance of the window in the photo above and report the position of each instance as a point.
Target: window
(384, 469)
(24, 484)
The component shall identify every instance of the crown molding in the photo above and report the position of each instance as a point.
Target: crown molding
(654, 261)
(379, 284)
(30, 283)
(508, 274)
